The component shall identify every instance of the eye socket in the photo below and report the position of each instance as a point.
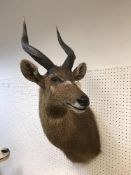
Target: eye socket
(56, 79)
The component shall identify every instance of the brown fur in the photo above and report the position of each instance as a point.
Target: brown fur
(76, 134)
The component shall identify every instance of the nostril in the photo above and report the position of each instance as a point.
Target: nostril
(6, 150)
(83, 100)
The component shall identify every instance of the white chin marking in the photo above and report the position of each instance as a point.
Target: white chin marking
(76, 107)
(76, 110)
(67, 82)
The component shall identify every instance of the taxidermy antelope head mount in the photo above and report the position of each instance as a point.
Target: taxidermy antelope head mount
(66, 118)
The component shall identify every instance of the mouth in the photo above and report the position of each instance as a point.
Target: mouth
(76, 108)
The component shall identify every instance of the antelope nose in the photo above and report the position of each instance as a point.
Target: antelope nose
(83, 100)
(6, 150)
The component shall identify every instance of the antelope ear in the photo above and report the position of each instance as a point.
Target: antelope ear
(80, 71)
(30, 71)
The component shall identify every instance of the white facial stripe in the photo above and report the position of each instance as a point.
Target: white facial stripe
(67, 82)
(52, 89)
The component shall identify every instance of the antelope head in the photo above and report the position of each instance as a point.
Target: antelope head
(61, 93)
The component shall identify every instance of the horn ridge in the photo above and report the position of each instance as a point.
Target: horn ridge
(33, 52)
(68, 63)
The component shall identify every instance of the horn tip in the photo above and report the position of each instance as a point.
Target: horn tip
(58, 33)
(23, 18)
(57, 29)
(24, 25)
(24, 38)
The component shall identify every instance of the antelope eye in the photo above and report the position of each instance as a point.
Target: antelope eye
(56, 79)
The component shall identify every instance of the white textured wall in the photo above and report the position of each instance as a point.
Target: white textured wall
(31, 152)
